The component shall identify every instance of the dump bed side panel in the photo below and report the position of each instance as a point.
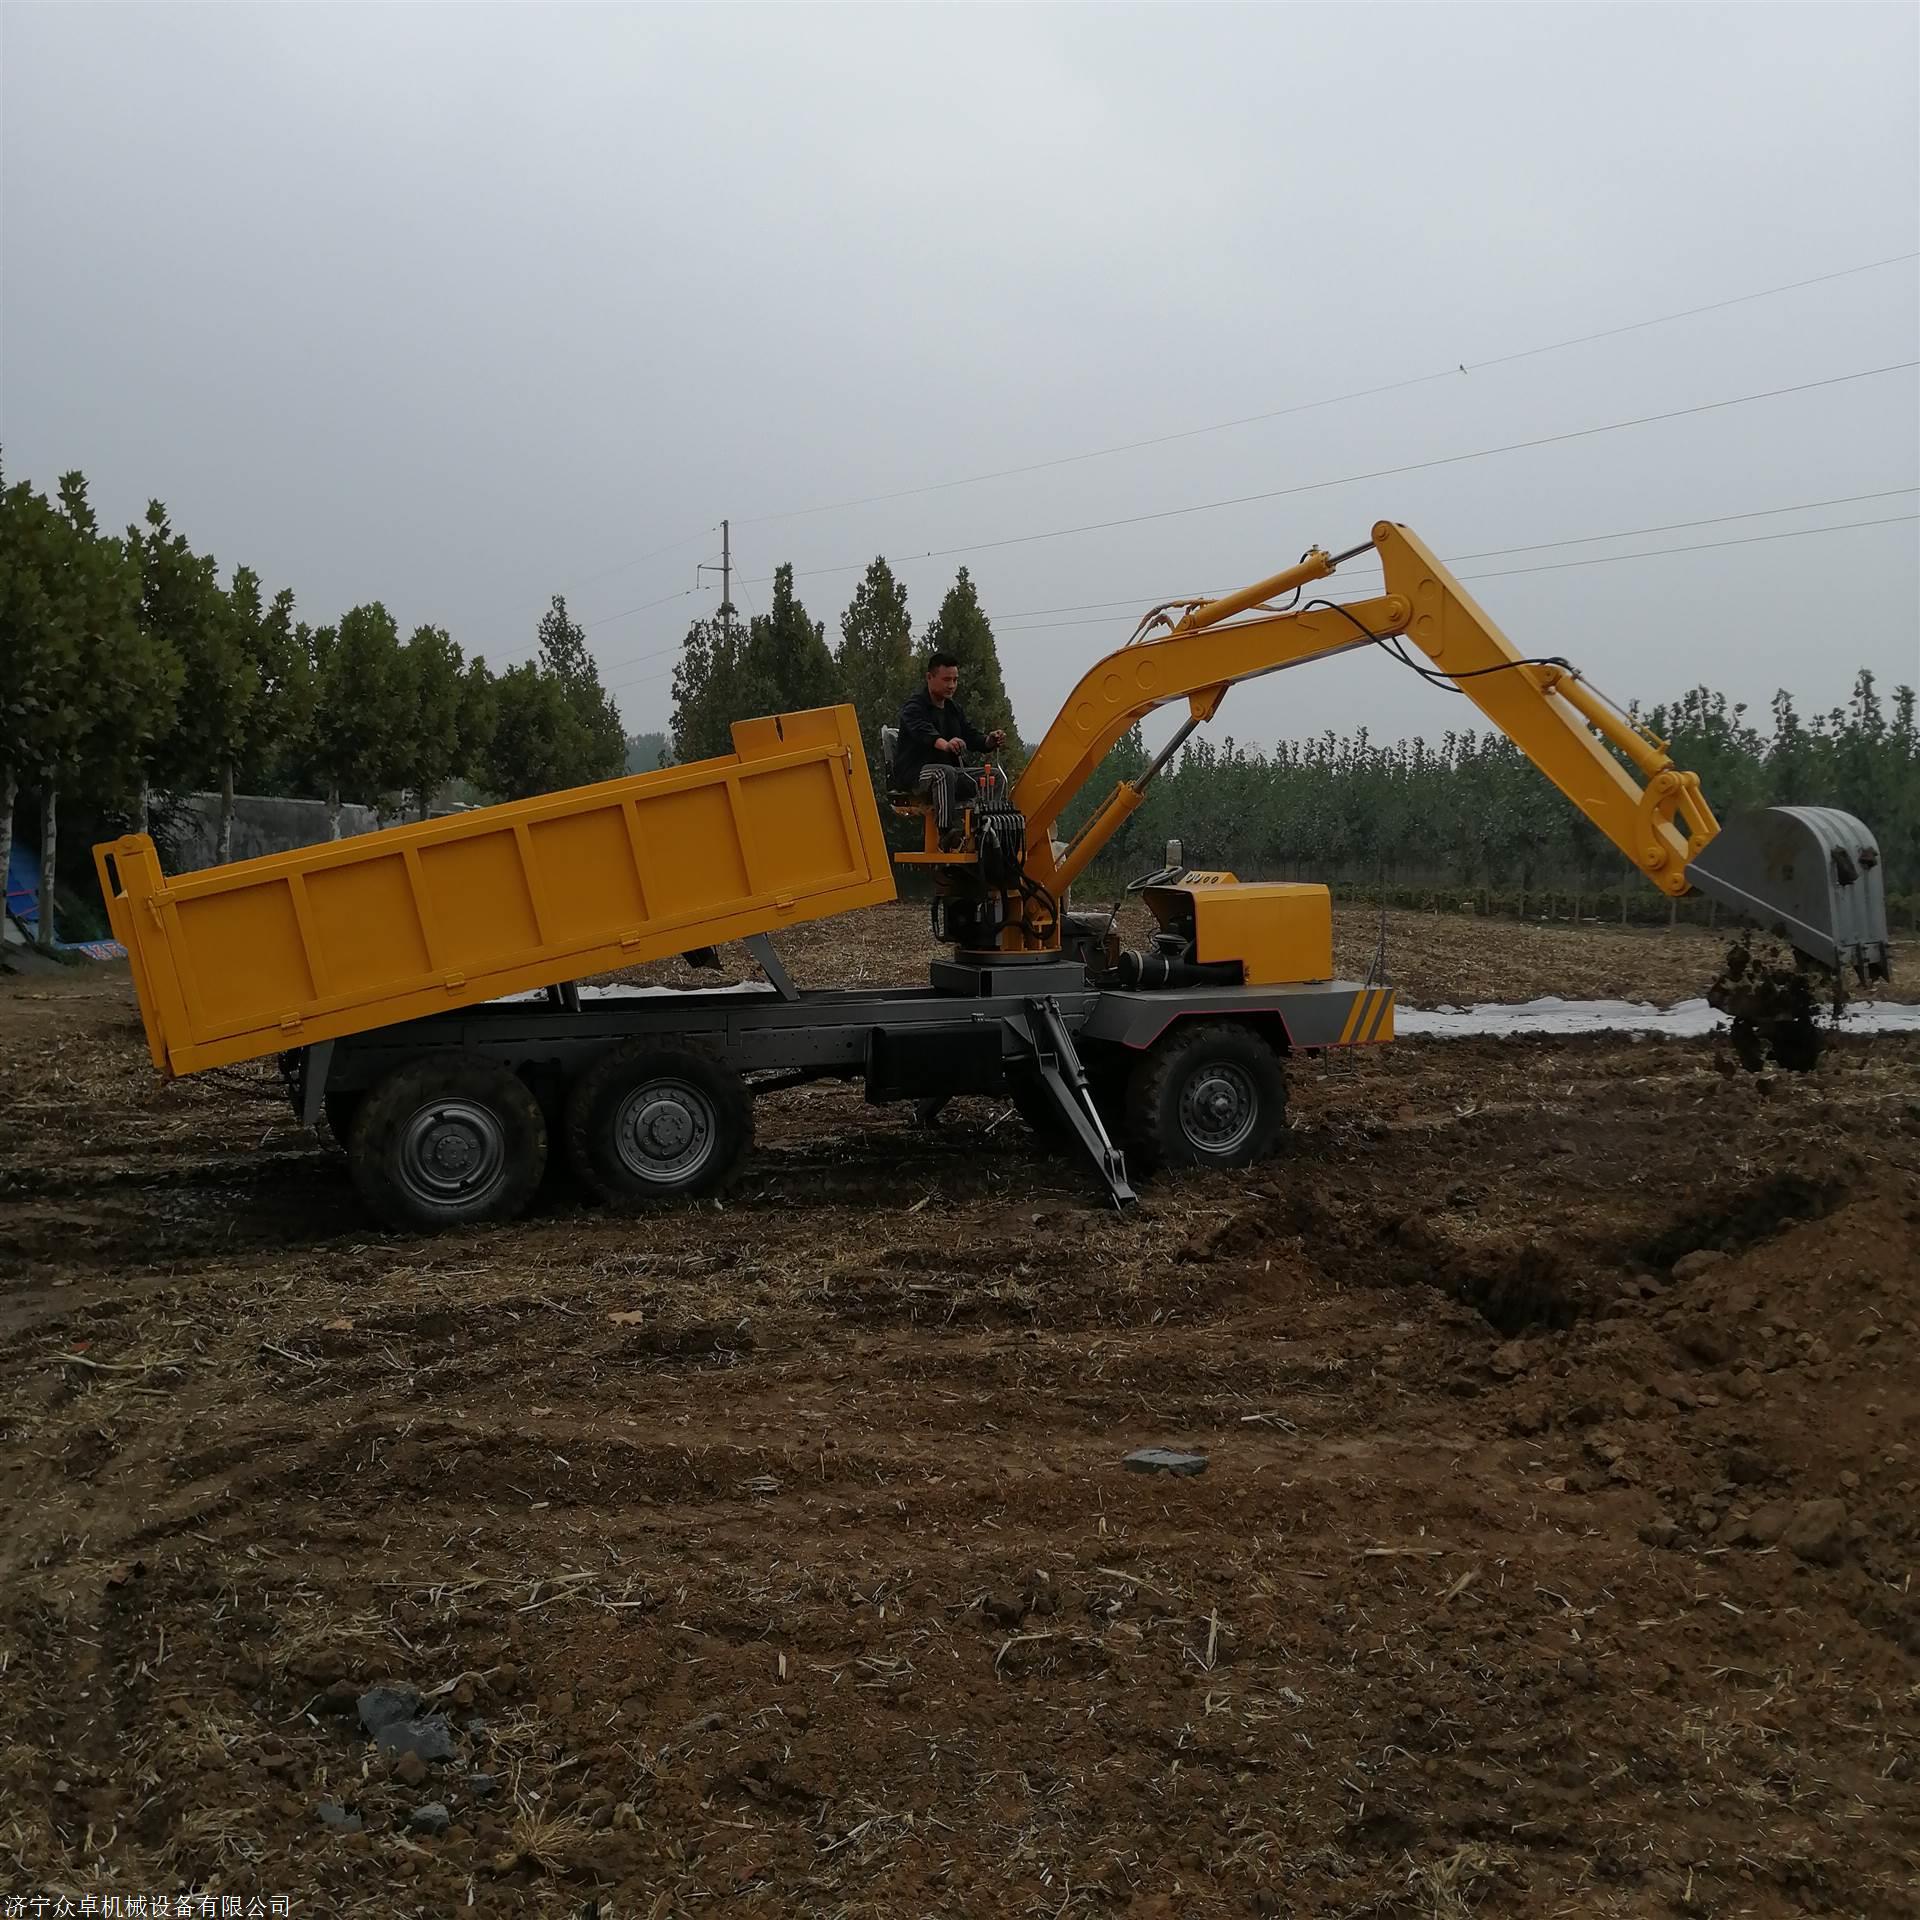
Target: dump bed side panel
(243, 960)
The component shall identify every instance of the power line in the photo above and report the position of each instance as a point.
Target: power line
(659, 652)
(1592, 560)
(1680, 526)
(641, 680)
(606, 619)
(1005, 624)
(1806, 506)
(1701, 546)
(640, 559)
(1332, 400)
(1491, 553)
(1278, 413)
(1318, 486)
(1376, 473)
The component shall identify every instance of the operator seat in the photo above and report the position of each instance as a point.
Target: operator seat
(909, 802)
(889, 750)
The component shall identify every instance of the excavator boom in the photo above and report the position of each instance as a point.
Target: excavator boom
(1809, 875)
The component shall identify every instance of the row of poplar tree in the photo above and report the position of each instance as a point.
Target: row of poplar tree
(128, 665)
(1471, 816)
(779, 662)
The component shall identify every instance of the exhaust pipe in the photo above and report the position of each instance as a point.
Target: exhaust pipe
(1808, 875)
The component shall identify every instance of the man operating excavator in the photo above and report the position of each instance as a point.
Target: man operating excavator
(934, 733)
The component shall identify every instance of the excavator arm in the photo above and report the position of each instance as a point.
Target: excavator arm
(1811, 875)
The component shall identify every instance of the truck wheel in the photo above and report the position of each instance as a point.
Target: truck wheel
(448, 1140)
(648, 1123)
(1209, 1094)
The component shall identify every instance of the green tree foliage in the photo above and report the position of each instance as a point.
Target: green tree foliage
(1714, 739)
(99, 688)
(535, 745)
(788, 664)
(282, 708)
(32, 644)
(646, 751)
(779, 664)
(125, 664)
(479, 716)
(962, 629)
(545, 724)
(875, 659)
(597, 744)
(132, 679)
(281, 705)
(362, 709)
(713, 686)
(433, 675)
(184, 610)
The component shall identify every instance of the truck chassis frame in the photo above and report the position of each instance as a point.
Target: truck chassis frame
(984, 1024)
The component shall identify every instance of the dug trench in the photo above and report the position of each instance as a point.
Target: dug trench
(1559, 1402)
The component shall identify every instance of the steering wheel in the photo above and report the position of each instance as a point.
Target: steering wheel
(1158, 878)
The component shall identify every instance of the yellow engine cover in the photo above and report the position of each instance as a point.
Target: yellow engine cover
(1281, 934)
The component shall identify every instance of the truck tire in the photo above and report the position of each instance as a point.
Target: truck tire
(341, 1110)
(1210, 1093)
(1034, 1103)
(647, 1123)
(448, 1140)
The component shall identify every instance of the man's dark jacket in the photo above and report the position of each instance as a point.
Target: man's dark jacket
(921, 724)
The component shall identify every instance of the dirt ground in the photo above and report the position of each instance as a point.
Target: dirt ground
(1560, 1401)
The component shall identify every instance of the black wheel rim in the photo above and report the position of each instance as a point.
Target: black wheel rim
(665, 1131)
(1218, 1108)
(453, 1150)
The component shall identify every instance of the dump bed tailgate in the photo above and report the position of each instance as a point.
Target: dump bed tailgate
(233, 962)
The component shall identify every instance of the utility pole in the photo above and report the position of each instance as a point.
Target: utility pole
(726, 577)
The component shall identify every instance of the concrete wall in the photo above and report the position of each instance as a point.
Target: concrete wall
(260, 825)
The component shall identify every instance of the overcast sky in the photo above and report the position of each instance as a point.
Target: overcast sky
(457, 307)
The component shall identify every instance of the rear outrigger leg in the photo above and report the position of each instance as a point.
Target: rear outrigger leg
(1058, 1068)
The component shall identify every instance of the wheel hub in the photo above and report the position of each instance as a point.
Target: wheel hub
(665, 1130)
(1218, 1108)
(668, 1128)
(452, 1150)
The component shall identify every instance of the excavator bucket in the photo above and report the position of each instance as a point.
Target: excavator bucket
(1809, 875)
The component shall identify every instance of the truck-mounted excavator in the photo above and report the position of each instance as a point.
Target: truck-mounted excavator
(376, 966)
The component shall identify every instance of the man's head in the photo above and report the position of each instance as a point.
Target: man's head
(943, 675)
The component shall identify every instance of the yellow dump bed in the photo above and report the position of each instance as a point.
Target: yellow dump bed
(237, 961)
